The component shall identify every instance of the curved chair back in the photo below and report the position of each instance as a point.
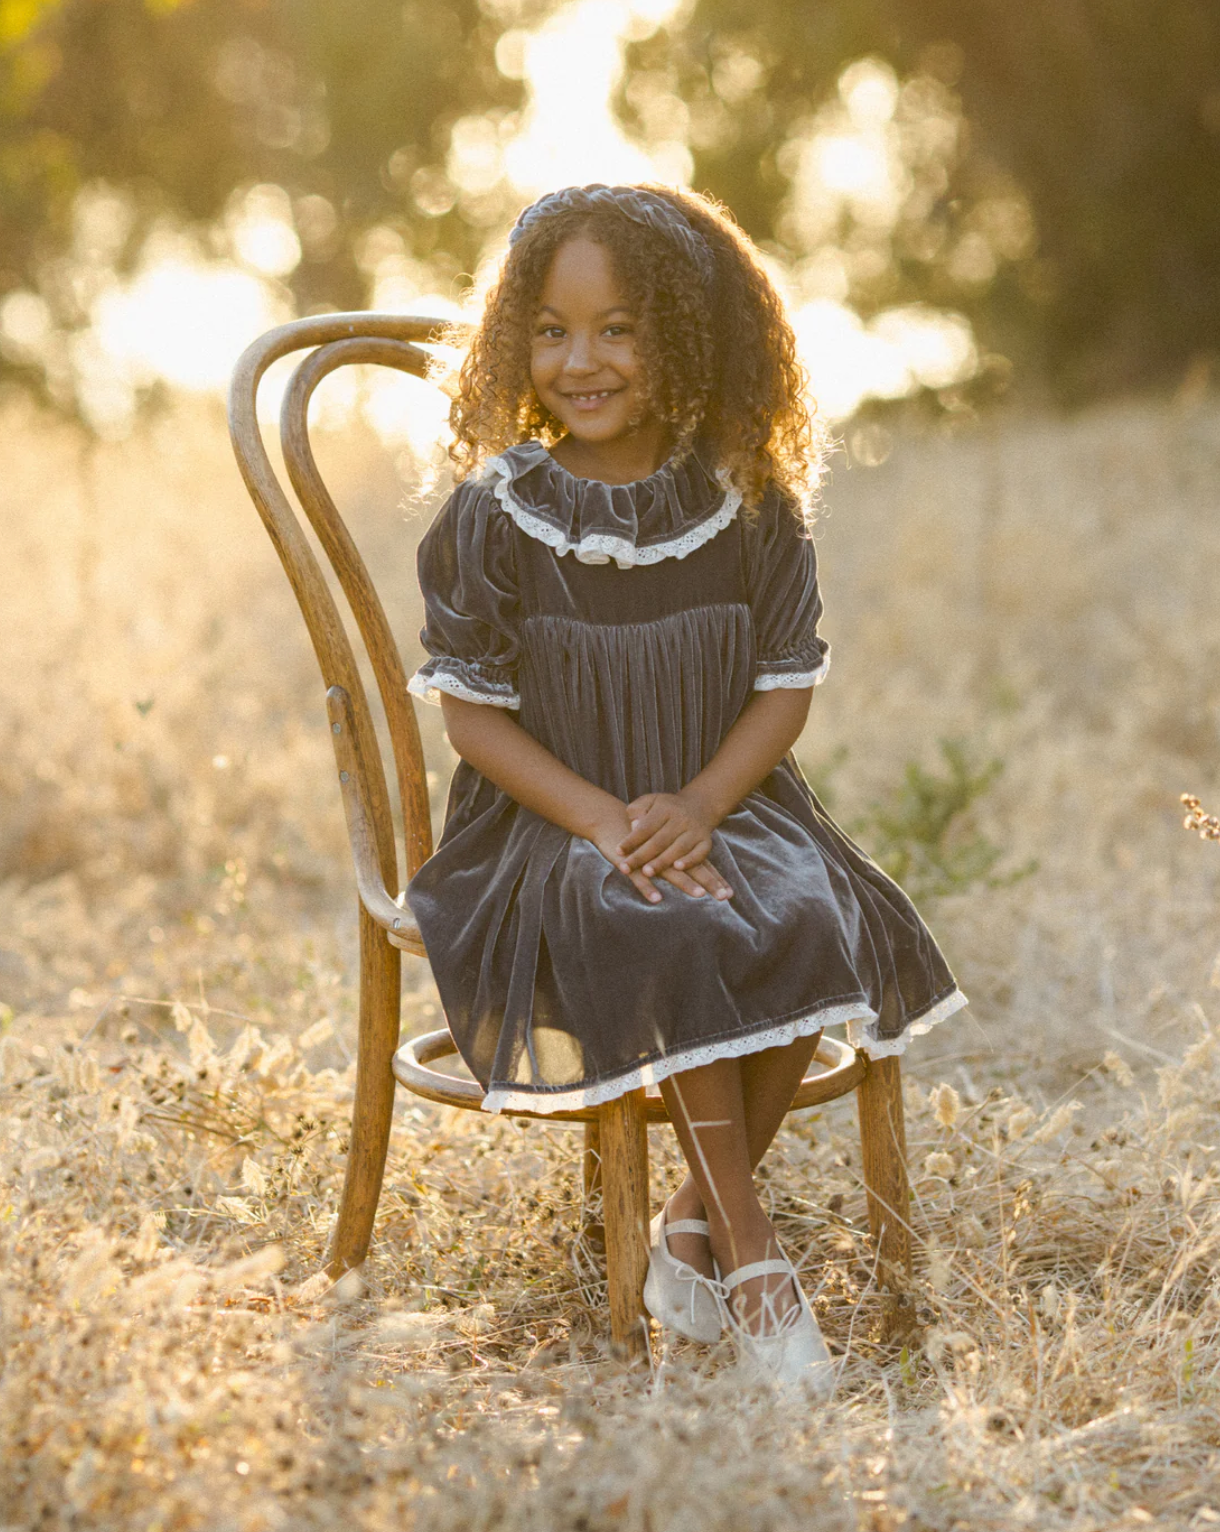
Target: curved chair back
(333, 341)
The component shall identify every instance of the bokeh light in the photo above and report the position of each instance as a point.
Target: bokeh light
(184, 315)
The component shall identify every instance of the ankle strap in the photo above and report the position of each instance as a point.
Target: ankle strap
(756, 1269)
(687, 1226)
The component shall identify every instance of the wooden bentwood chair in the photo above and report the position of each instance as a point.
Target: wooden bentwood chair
(616, 1142)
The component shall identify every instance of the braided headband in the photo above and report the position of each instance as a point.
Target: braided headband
(643, 207)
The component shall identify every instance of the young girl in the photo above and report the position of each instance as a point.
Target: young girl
(635, 884)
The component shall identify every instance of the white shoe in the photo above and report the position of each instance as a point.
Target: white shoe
(682, 1298)
(791, 1354)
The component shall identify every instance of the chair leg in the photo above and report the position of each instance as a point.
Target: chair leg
(624, 1147)
(373, 1109)
(592, 1228)
(883, 1147)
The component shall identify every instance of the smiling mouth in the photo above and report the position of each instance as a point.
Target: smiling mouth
(593, 398)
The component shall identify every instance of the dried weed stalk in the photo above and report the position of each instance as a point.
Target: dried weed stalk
(169, 1166)
(171, 1359)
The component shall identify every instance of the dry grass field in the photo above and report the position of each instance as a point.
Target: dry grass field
(176, 1029)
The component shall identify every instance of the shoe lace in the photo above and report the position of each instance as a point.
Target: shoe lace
(773, 1326)
(696, 1279)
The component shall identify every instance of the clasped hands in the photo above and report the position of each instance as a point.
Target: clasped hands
(668, 836)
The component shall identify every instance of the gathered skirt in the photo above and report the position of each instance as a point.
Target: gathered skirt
(561, 985)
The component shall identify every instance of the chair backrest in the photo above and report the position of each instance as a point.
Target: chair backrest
(332, 341)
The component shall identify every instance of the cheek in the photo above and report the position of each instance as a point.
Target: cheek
(540, 372)
(633, 370)
(631, 366)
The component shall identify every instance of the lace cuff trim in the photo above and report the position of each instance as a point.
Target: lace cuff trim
(770, 680)
(858, 1017)
(601, 547)
(429, 688)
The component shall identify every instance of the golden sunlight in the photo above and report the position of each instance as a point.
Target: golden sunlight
(184, 316)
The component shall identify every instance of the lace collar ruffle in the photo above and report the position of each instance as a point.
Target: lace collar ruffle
(665, 516)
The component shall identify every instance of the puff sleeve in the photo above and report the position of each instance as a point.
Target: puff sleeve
(782, 586)
(467, 574)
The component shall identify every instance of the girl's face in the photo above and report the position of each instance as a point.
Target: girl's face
(584, 361)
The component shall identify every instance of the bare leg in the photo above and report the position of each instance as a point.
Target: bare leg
(769, 1080)
(707, 1109)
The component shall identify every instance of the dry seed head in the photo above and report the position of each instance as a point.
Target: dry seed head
(148, 1240)
(972, 1232)
(1207, 826)
(1057, 1122)
(955, 1342)
(946, 1103)
(312, 1288)
(940, 1264)
(200, 1044)
(1119, 1068)
(250, 1270)
(253, 1177)
(238, 1209)
(92, 1272)
(318, 1033)
(13, 1065)
(1020, 1120)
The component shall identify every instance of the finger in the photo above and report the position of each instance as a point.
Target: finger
(646, 886)
(652, 848)
(670, 855)
(685, 882)
(649, 830)
(707, 875)
(642, 828)
(697, 853)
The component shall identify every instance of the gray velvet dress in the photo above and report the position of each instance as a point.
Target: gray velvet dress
(627, 626)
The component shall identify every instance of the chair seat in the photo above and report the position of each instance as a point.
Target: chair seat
(843, 1070)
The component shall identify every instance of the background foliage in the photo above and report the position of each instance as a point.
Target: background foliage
(1052, 167)
(1103, 116)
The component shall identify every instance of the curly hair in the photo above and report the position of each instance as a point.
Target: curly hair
(720, 360)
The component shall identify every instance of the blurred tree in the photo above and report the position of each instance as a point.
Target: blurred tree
(176, 104)
(1098, 118)
(1049, 168)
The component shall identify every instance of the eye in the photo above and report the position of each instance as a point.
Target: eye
(549, 332)
(617, 330)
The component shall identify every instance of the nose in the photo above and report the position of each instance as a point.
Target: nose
(581, 358)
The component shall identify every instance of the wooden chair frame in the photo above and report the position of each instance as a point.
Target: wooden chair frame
(616, 1144)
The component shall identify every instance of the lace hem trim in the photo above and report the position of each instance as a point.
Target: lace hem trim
(429, 689)
(769, 681)
(857, 1016)
(863, 1033)
(601, 547)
